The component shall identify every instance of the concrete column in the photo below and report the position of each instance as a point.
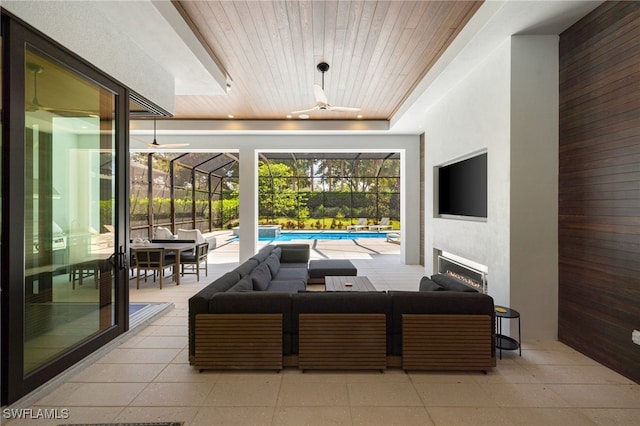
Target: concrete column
(248, 202)
(410, 205)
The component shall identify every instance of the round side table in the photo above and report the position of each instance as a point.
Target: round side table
(506, 342)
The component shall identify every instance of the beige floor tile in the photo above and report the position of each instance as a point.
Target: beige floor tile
(390, 416)
(443, 377)
(140, 356)
(508, 372)
(593, 374)
(173, 394)
(599, 396)
(547, 417)
(185, 373)
(163, 342)
(93, 394)
(388, 394)
(169, 330)
(611, 417)
(455, 416)
(243, 393)
(313, 394)
(297, 376)
(236, 416)
(311, 416)
(390, 375)
(454, 395)
(157, 414)
(524, 395)
(549, 357)
(106, 373)
(93, 414)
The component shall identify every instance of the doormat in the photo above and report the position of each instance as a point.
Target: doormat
(125, 424)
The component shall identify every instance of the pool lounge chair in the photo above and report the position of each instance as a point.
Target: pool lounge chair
(384, 224)
(362, 224)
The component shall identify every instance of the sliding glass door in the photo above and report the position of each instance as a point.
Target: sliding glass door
(69, 210)
(64, 278)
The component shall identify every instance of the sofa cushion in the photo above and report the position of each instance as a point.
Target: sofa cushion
(298, 253)
(293, 265)
(320, 268)
(451, 284)
(246, 267)
(261, 276)
(287, 286)
(263, 253)
(291, 274)
(245, 284)
(273, 263)
(427, 285)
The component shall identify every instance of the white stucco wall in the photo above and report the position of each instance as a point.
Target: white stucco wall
(81, 27)
(508, 106)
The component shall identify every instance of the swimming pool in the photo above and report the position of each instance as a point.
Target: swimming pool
(322, 235)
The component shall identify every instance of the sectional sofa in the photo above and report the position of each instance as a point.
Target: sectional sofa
(246, 320)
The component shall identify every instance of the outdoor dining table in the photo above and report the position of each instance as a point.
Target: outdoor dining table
(176, 248)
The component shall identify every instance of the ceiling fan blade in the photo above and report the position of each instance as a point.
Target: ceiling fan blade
(321, 97)
(343, 109)
(156, 145)
(305, 110)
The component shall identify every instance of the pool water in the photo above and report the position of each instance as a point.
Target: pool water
(322, 235)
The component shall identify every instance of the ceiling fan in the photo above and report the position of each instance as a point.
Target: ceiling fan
(34, 105)
(156, 145)
(322, 104)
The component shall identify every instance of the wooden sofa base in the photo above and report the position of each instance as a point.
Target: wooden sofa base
(447, 342)
(238, 341)
(342, 341)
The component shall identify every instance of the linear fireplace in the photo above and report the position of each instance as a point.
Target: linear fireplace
(466, 274)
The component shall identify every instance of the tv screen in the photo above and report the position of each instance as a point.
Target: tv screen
(462, 188)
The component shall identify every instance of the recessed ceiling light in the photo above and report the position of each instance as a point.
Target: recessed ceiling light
(303, 116)
(230, 116)
(289, 116)
(359, 115)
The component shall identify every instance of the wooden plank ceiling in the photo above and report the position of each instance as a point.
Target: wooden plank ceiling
(378, 51)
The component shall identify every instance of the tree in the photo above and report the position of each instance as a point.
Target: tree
(275, 195)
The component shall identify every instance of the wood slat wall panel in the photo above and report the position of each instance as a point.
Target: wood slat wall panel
(238, 341)
(599, 186)
(447, 342)
(342, 341)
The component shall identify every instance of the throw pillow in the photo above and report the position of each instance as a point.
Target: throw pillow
(261, 277)
(451, 284)
(273, 263)
(277, 251)
(427, 285)
(245, 284)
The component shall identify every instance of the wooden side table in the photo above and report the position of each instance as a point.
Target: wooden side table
(506, 342)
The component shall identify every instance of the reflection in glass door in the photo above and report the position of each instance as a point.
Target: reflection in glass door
(69, 210)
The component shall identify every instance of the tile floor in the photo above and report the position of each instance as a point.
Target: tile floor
(147, 377)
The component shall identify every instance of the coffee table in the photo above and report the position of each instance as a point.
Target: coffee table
(339, 283)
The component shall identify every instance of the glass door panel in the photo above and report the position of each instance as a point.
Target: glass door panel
(69, 210)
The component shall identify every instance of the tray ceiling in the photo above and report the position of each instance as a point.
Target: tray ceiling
(378, 51)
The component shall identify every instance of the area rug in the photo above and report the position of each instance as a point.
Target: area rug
(125, 424)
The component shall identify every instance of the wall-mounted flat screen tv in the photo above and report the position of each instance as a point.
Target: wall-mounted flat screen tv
(462, 187)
